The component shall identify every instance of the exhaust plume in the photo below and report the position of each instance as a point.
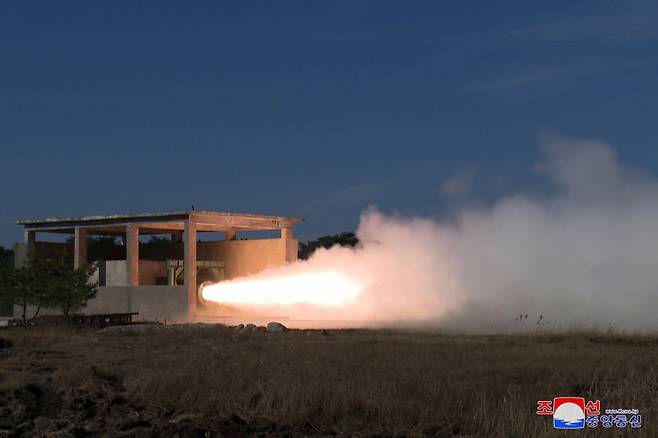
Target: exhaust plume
(585, 254)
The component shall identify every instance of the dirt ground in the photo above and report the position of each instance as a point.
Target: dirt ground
(211, 381)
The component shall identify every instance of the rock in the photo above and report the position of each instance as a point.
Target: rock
(238, 328)
(276, 327)
(244, 330)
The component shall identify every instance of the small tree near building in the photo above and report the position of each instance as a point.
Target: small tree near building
(25, 286)
(6, 257)
(6, 266)
(69, 288)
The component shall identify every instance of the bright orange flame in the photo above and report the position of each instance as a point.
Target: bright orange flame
(329, 288)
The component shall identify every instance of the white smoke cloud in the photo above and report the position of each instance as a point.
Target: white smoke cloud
(587, 253)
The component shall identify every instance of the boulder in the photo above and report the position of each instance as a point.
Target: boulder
(276, 327)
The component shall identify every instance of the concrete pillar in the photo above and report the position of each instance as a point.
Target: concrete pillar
(190, 266)
(132, 254)
(289, 245)
(30, 239)
(22, 253)
(230, 235)
(79, 247)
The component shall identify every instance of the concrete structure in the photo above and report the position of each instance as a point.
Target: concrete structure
(133, 276)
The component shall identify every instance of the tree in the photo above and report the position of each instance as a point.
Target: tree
(97, 240)
(6, 265)
(68, 289)
(6, 256)
(342, 239)
(156, 241)
(6, 288)
(25, 286)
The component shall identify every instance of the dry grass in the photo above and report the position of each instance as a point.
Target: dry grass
(353, 381)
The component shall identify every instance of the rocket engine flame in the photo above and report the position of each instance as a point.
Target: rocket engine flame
(337, 284)
(328, 288)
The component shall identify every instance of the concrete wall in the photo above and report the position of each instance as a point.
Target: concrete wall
(152, 272)
(162, 251)
(116, 273)
(244, 257)
(20, 254)
(160, 303)
(293, 247)
(115, 299)
(154, 303)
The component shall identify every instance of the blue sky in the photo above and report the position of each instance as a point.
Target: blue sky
(316, 109)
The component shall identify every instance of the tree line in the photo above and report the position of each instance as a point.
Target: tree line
(306, 249)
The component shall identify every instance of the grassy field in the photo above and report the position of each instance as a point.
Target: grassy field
(214, 382)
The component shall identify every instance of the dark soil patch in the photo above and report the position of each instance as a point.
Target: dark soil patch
(4, 343)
